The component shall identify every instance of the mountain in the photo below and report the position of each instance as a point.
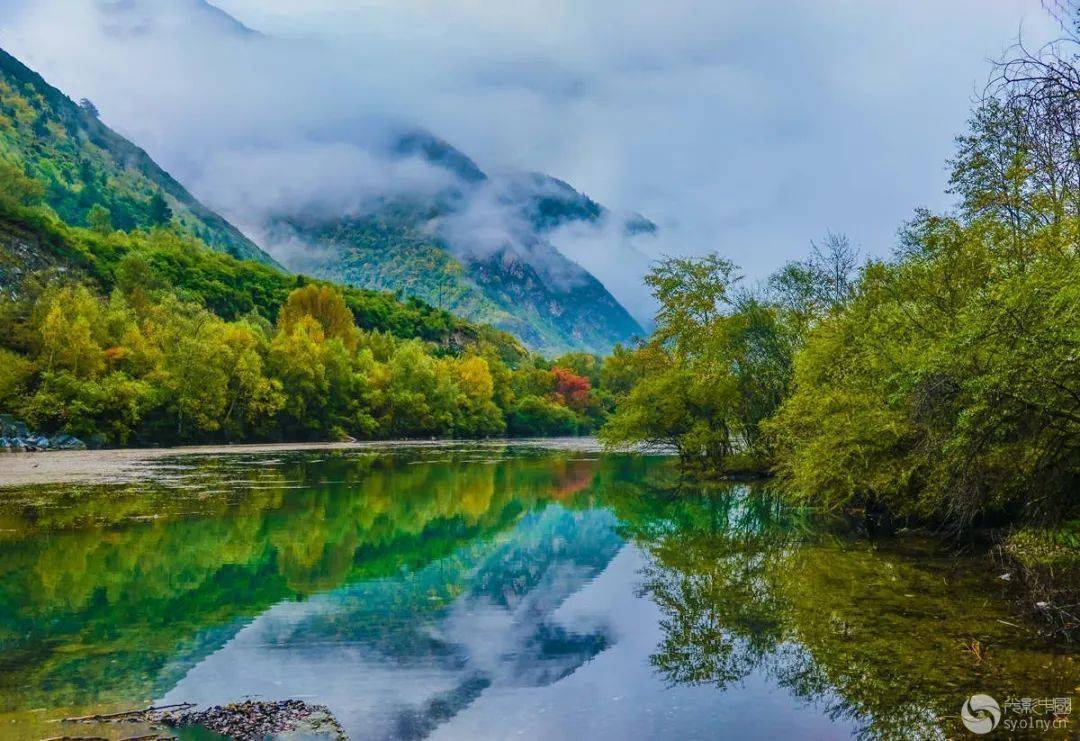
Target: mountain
(131, 18)
(479, 247)
(491, 247)
(81, 164)
(84, 164)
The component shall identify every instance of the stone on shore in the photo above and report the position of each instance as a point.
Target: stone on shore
(287, 720)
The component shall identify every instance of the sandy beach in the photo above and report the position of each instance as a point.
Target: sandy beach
(131, 464)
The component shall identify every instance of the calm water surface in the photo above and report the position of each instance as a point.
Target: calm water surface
(494, 592)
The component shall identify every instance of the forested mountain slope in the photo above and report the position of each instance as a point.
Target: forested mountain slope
(91, 172)
(480, 247)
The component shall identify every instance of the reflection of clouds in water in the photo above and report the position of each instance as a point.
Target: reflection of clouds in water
(517, 644)
(388, 666)
(549, 639)
(617, 695)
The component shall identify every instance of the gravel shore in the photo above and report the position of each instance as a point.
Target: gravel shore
(134, 464)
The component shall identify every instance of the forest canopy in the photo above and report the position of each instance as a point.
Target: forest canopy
(149, 337)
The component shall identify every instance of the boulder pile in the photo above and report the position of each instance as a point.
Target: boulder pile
(15, 437)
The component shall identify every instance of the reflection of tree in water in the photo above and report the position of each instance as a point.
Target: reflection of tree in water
(870, 632)
(439, 620)
(720, 616)
(434, 638)
(111, 594)
(549, 557)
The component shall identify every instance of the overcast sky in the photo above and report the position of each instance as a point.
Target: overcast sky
(744, 127)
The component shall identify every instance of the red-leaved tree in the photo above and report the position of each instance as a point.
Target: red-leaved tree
(571, 390)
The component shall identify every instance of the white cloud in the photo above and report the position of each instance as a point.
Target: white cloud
(312, 180)
(744, 127)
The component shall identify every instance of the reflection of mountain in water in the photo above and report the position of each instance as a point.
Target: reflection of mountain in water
(397, 656)
(112, 594)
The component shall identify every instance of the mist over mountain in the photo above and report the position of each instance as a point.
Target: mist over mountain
(436, 226)
(344, 190)
(726, 125)
(138, 17)
(84, 166)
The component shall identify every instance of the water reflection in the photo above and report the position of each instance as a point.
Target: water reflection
(409, 651)
(889, 636)
(495, 592)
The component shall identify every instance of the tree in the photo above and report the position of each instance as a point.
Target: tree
(571, 390)
(251, 398)
(194, 376)
(99, 219)
(694, 294)
(15, 372)
(809, 289)
(620, 371)
(316, 375)
(158, 211)
(325, 305)
(478, 414)
(668, 407)
(89, 108)
(946, 390)
(583, 364)
(534, 415)
(696, 385)
(17, 190)
(69, 332)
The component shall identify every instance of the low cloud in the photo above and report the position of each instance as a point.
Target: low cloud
(495, 219)
(746, 128)
(313, 182)
(620, 259)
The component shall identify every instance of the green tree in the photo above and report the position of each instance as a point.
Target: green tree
(535, 415)
(316, 375)
(17, 190)
(99, 219)
(716, 367)
(324, 304)
(159, 212)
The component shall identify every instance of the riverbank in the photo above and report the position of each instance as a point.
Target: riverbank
(1044, 564)
(133, 464)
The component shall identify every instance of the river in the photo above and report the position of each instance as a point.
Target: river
(499, 591)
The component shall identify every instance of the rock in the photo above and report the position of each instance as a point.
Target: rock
(66, 442)
(14, 437)
(249, 721)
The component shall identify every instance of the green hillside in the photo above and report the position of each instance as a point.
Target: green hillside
(37, 248)
(95, 178)
(521, 284)
(87, 168)
(389, 252)
(152, 338)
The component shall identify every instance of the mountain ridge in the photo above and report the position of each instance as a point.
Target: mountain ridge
(479, 247)
(85, 164)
